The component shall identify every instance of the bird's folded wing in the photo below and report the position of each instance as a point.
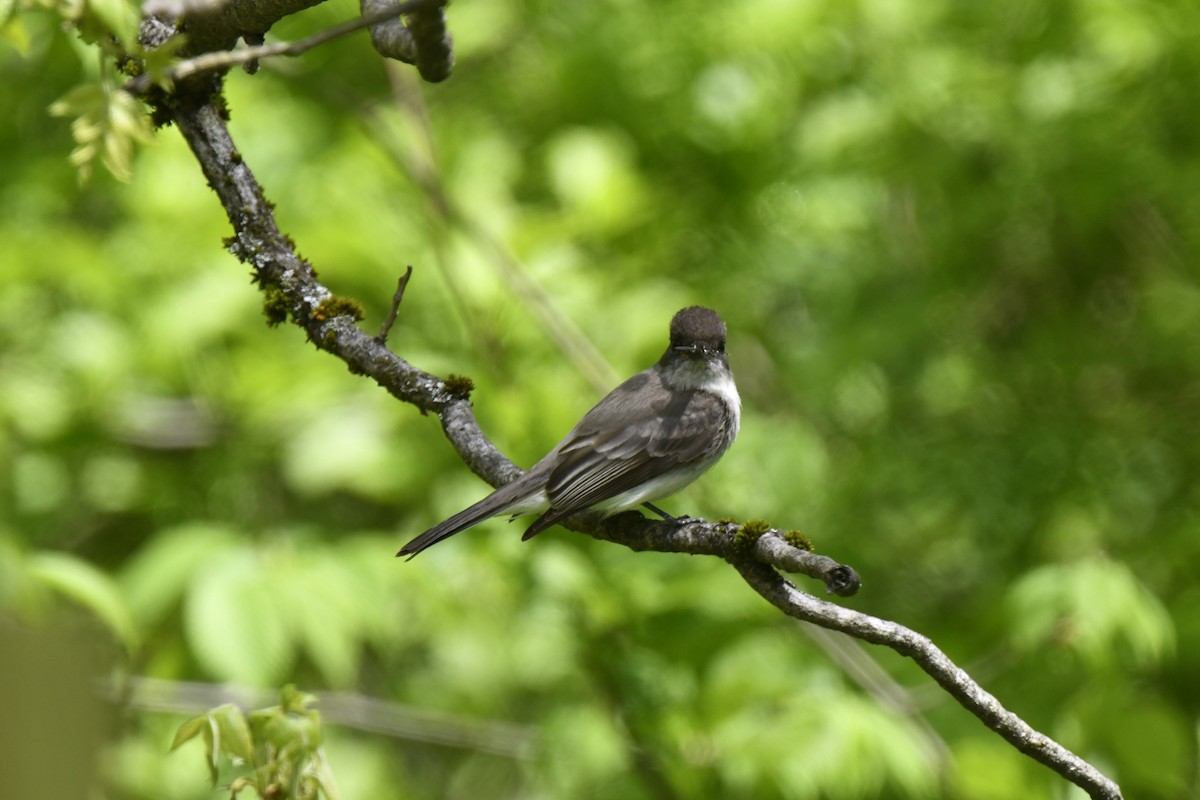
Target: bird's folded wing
(599, 461)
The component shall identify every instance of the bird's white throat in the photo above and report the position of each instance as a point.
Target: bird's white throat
(707, 376)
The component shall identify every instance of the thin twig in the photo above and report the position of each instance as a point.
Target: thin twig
(206, 62)
(396, 298)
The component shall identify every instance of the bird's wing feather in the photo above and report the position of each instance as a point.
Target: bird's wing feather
(608, 455)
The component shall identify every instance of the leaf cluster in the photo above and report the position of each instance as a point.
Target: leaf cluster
(278, 749)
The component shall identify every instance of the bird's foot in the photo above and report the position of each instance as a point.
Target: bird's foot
(658, 511)
(680, 520)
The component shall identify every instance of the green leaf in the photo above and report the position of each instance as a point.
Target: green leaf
(225, 733)
(128, 125)
(205, 725)
(79, 100)
(324, 775)
(298, 732)
(107, 123)
(90, 588)
(189, 730)
(234, 624)
(294, 701)
(212, 747)
(235, 732)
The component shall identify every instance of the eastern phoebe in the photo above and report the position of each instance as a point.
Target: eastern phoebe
(651, 436)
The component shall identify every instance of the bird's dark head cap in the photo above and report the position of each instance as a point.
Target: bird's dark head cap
(697, 329)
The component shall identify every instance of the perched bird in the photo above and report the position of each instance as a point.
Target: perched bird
(650, 437)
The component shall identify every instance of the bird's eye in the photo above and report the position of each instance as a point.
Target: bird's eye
(721, 346)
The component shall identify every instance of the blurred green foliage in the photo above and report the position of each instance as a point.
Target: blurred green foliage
(956, 245)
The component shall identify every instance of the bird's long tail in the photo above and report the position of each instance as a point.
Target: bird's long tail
(513, 496)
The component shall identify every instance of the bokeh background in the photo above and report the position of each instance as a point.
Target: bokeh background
(956, 245)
